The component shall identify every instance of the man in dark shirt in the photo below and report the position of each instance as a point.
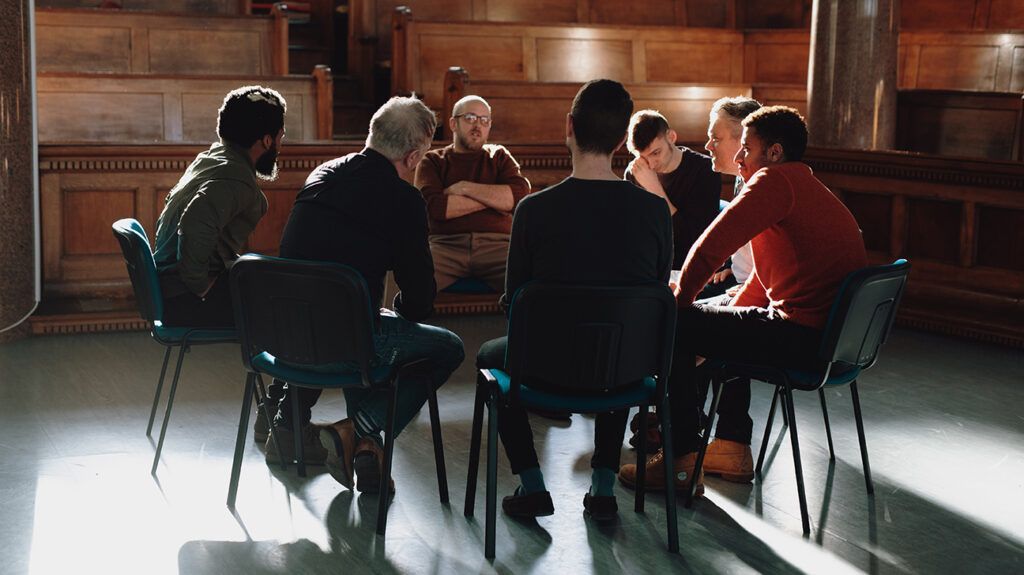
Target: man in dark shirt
(681, 176)
(360, 210)
(595, 229)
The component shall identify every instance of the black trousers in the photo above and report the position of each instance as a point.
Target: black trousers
(737, 333)
(517, 436)
(213, 310)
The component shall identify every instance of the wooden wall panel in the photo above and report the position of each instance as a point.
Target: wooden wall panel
(1017, 77)
(933, 230)
(962, 67)
(979, 61)
(527, 11)
(690, 62)
(200, 6)
(1006, 15)
(649, 13)
(160, 43)
(78, 49)
(937, 14)
(572, 60)
(780, 57)
(148, 109)
(711, 13)
(208, 52)
(496, 58)
(82, 115)
(873, 213)
(88, 214)
(774, 13)
(266, 238)
(794, 96)
(966, 124)
(1000, 237)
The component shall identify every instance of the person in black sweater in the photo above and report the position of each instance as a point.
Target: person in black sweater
(592, 228)
(360, 210)
(681, 176)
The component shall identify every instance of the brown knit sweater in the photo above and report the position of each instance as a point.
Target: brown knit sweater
(491, 165)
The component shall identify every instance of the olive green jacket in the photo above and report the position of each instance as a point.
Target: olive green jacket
(207, 218)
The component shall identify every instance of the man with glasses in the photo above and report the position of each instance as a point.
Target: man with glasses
(471, 189)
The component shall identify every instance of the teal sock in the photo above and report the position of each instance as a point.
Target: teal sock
(533, 480)
(602, 482)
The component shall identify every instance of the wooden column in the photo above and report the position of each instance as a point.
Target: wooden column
(324, 102)
(399, 42)
(455, 81)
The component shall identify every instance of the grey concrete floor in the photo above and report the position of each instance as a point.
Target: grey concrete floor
(945, 429)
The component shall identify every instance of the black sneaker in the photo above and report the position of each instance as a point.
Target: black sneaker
(528, 505)
(600, 508)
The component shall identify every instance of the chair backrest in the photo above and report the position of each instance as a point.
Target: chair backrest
(307, 314)
(863, 313)
(588, 339)
(141, 268)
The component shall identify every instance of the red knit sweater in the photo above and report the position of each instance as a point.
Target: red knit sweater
(803, 238)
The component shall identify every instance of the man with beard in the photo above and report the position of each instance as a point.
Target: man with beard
(213, 208)
(471, 189)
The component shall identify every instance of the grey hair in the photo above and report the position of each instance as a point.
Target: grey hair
(400, 126)
(467, 99)
(736, 108)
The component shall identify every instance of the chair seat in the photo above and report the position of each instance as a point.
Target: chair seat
(640, 394)
(799, 379)
(175, 335)
(469, 286)
(323, 376)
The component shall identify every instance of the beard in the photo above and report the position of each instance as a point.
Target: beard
(463, 142)
(266, 165)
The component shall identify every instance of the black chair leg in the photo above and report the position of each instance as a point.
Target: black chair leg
(860, 435)
(435, 428)
(389, 450)
(716, 391)
(828, 428)
(159, 388)
(670, 483)
(167, 412)
(788, 403)
(474, 447)
(785, 414)
(767, 432)
(243, 428)
(262, 403)
(300, 455)
(492, 475)
(641, 462)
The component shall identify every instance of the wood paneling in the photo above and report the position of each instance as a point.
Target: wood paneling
(981, 61)
(874, 216)
(552, 53)
(774, 13)
(1005, 15)
(527, 11)
(776, 57)
(967, 124)
(147, 109)
(1000, 237)
(933, 230)
(88, 214)
(962, 15)
(159, 43)
(648, 13)
(204, 7)
(792, 95)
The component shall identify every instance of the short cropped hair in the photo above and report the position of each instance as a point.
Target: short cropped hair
(400, 126)
(644, 127)
(780, 125)
(737, 108)
(600, 115)
(467, 99)
(249, 113)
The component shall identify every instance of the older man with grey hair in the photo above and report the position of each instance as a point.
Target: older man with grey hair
(472, 189)
(360, 210)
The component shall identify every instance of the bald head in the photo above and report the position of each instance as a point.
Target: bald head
(470, 123)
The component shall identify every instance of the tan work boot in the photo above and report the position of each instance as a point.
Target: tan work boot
(368, 464)
(339, 439)
(655, 470)
(732, 460)
(313, 453)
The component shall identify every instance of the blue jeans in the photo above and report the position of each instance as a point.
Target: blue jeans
(398, 342)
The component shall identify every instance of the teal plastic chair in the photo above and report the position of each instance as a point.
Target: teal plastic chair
(858, 324)
(580, 349)
(142, 270)
(311, 324)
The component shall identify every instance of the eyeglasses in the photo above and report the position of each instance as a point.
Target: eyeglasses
(474, 118)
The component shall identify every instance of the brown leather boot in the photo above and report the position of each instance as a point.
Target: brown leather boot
(339, 439)
(732, 460)
(655, 470)
(368, 464)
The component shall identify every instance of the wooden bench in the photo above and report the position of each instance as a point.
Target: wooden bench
(534, 112)
(128, 108)
(955, 123)
(423, 51)
(199, 7)
(126, 42)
